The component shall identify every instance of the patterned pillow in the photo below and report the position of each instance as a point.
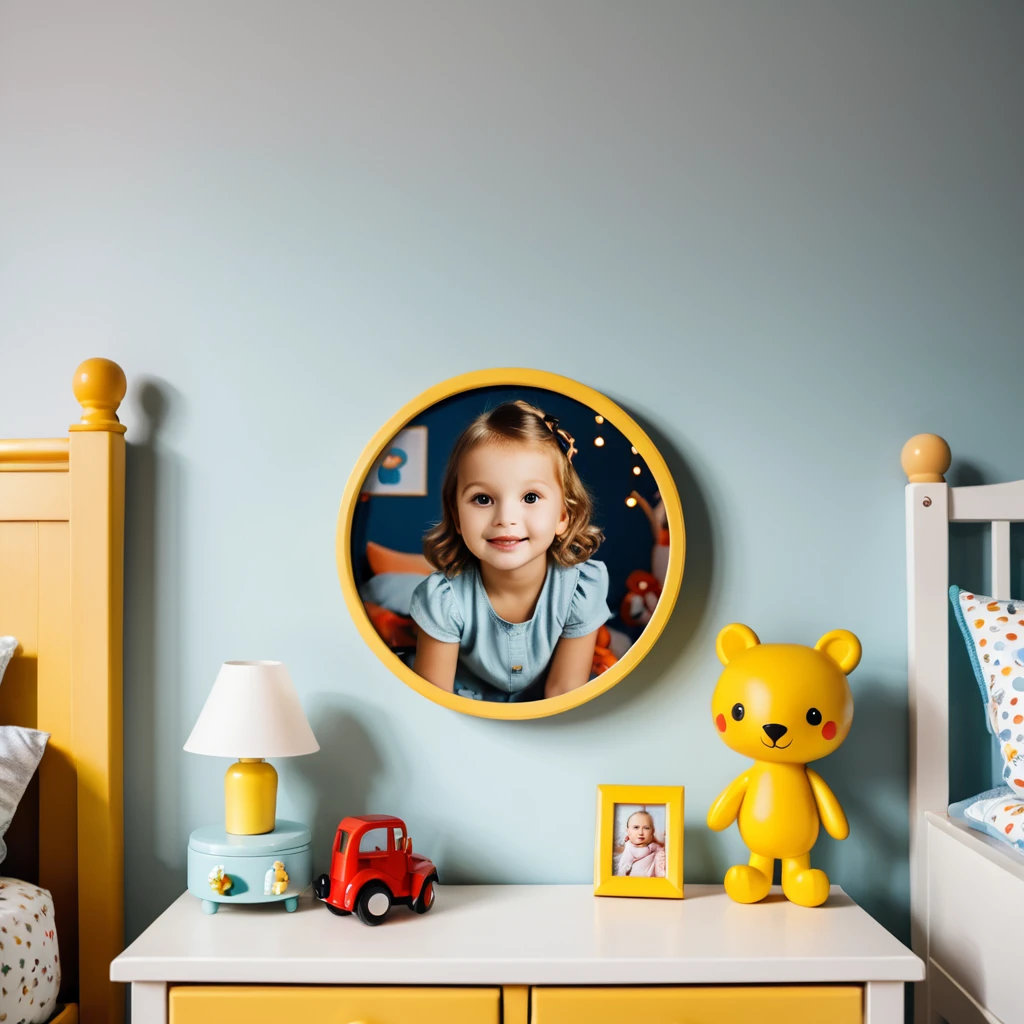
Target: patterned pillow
(21, 750)
(994, 634)
(1000, 813)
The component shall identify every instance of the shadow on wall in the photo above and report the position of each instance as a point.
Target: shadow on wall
(152, 633)
(868, 774)
(339, 780)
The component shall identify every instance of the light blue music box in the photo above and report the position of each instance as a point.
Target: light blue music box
(223, 868)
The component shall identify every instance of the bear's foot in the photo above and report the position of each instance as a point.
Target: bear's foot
(746, 884)
(807, 888)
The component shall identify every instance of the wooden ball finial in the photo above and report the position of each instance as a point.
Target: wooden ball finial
(99, 386)
(925, 458)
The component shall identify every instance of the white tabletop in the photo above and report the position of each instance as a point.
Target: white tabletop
(523, 935)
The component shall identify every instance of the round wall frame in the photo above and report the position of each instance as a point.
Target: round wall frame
(393, 494)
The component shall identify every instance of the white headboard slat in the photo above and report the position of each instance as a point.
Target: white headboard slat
(1001, 561)
(987, 502)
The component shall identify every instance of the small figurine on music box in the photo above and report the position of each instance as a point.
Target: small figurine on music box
(252, 712)
(373, 867)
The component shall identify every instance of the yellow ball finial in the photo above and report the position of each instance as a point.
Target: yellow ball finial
(99, 386)
(925, 458)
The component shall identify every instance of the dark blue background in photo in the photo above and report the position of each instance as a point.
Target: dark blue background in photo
(400, 522)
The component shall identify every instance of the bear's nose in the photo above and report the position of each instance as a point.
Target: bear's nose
(775, 732)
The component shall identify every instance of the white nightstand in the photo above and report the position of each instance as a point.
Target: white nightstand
(505, 954)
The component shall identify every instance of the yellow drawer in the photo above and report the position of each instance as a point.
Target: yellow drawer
(731, 1004)
(273, 1004)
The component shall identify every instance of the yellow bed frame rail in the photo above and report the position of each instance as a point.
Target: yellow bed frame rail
(62, 567)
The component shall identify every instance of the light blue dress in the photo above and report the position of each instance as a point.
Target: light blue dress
(500, 660)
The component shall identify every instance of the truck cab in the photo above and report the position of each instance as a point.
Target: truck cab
(373, 866)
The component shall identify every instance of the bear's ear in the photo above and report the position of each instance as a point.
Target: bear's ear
(733, 639)
(842, 647)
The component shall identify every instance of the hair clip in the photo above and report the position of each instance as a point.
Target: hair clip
(565, 440)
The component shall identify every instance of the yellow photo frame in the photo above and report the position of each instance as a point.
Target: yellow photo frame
(603, 408)
(663, 806)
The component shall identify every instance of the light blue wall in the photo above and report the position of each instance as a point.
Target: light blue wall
(785, 236)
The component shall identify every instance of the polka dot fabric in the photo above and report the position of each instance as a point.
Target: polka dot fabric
(994, 634)
(1000, 815)
(29, 959)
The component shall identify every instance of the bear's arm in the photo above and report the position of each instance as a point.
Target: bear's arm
(724, 810)
(831, 814)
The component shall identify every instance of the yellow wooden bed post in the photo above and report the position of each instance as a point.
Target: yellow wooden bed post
(96, 457)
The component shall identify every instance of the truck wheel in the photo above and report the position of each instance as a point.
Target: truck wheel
(373, 903)
(336, 910)
(425, 900)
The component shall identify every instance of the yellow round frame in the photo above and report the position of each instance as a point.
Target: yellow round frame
(602, 406)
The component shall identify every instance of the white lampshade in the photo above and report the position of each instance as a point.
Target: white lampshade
(252, 711)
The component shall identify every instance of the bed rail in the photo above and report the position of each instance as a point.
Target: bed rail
(931, 505)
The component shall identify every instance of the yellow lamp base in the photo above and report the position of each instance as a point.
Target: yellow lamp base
(250, 797)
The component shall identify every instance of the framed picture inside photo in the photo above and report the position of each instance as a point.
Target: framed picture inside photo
(401, 468)
(639, 845)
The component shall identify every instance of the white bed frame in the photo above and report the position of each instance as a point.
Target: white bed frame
(966, 889)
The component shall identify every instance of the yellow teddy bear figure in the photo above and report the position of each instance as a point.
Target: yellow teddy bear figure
(783, 705)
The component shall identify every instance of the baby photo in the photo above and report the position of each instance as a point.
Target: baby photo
(534, 557)
(639, 841)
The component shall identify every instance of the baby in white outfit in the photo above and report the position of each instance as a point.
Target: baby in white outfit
(643, 856)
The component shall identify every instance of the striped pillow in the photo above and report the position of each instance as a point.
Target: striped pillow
(21, 750)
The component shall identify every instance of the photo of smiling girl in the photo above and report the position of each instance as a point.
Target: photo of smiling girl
(517, 599)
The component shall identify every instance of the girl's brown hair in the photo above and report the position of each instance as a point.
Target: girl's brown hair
(513, 423)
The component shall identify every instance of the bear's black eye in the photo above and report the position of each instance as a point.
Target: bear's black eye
(738, 712)
(814, 717)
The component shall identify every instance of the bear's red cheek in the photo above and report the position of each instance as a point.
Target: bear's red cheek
(720, 722)
(828, 730)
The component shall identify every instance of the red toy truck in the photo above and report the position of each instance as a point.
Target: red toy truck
(372, 867)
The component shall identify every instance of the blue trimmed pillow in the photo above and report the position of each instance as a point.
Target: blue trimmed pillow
(994, 633)
(21, 750)
(997, 812)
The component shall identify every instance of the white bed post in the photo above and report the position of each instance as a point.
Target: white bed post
(925, 459)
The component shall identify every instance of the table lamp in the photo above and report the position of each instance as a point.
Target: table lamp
(252, 713)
